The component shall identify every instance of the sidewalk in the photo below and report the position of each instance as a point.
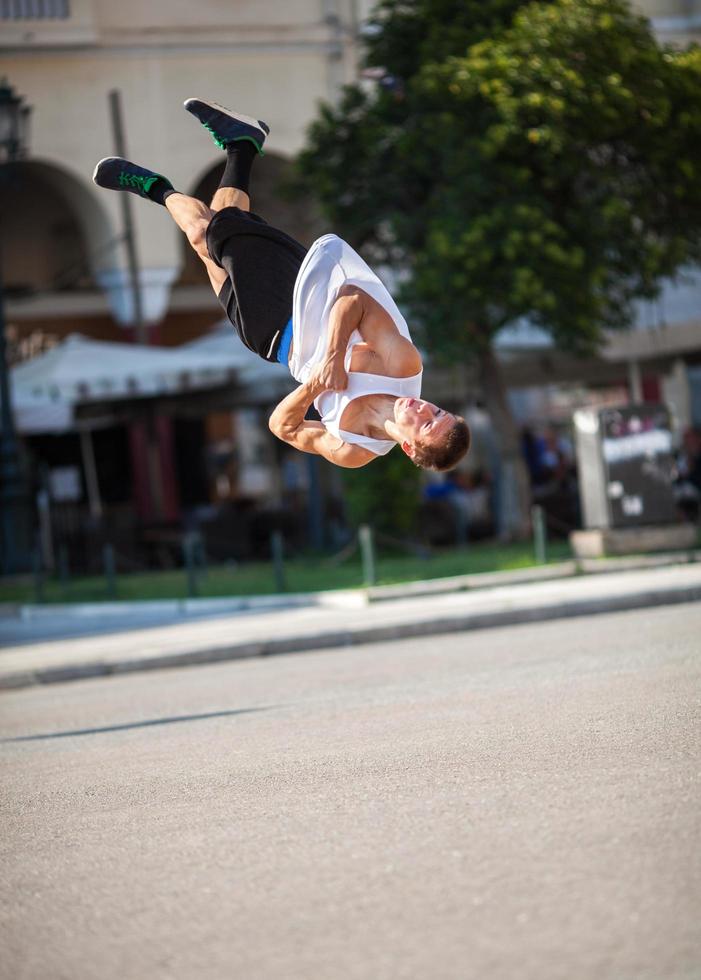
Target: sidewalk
(343, 619)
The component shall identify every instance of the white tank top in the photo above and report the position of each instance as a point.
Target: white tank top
(328, 265)
(332, 404)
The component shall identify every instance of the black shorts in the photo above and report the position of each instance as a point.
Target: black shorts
(262, 264)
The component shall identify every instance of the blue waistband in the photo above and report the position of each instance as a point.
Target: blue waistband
(283, 351)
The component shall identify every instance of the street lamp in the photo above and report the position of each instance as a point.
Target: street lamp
(14, 127)
(14, 124)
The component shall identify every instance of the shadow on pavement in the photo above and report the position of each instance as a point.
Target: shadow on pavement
(135, 724)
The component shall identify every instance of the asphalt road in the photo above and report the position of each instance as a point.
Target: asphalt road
(513, 803)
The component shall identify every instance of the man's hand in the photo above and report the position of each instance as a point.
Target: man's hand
(331, 374)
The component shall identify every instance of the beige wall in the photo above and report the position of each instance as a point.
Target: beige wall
(71, 123)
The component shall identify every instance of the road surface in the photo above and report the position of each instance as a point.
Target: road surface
(512, 803)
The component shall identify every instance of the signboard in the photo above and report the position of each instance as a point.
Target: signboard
(626, 460)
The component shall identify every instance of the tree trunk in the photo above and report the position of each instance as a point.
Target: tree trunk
(514, 490)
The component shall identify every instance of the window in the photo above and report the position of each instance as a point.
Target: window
(34, 9)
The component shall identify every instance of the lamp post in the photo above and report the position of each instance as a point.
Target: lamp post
(14, 125)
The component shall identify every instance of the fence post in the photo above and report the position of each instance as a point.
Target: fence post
(277, 550)
(367, 550)
(64, 572)
(108, 564)
(202, 553)
(38, 570)
(189, 557)
(539, 534)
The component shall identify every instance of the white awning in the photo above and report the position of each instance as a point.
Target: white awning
(32, 419)
(259, 382)
(83, 370)
(48, 388)
(222, 344)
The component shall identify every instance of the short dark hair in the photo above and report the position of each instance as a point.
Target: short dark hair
(448, 452)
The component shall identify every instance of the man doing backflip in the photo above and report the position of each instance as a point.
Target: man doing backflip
(322, 312)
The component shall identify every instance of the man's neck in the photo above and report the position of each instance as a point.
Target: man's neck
(377, 413)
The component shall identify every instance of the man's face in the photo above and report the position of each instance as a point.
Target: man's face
(420, 421)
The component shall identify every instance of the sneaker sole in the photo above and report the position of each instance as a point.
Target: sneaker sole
(239, 116)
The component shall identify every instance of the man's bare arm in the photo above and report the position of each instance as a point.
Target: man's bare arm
(289, 414)
(288, 423)
(358, 310)
(345, 317)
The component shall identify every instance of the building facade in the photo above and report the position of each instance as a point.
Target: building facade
(64, 58)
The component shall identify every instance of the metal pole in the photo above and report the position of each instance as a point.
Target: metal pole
(88, 452)
(45, 536)
(140, 329)
(38, 570)
(190, 569)
(110, 570)
(367, 551)
(64, 571)
(15, 533)
(201, 554)
(635, 383)
(120, 149)
(539, 533)
(13, 500)
(277, 549)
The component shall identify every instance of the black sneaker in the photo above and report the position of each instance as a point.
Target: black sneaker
(225, 126)
(120, 175)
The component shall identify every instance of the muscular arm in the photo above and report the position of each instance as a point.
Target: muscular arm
(345, 317)
(357, 310)
(288, 423)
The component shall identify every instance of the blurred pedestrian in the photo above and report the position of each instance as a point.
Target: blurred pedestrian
(687, 485)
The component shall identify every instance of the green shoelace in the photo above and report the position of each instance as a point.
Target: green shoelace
(141, 184)
(220, 143)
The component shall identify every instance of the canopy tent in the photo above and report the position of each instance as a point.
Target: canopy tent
(258, 382)
(223, 344)
(48, 388)
(52, 393)
(221, 341)
(33, 415)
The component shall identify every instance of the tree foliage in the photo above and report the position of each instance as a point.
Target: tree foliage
(386, 495)
(536, 160)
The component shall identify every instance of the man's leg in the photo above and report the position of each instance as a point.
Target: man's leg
(230, 197)
(193, 217)
(233, 187)
(189, 214)
(242, 138)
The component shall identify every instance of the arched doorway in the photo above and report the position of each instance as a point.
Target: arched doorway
(54, 235)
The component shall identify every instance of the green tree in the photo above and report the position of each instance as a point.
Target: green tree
(536, 160)
(386, 495)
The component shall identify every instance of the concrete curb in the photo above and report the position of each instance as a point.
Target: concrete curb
(534, 573)
(329, 639)
(349, 598)
(337, 599)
